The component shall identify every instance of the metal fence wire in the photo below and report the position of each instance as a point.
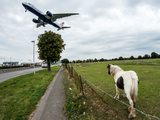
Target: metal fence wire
(95, 106)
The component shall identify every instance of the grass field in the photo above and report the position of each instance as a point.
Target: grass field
(148, 72)
(19, 96)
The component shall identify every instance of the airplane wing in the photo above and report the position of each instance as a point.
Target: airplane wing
(53, 17)
(57, 16)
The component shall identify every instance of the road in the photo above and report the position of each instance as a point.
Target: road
(6, 76)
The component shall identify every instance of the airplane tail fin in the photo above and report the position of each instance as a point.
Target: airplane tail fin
(62, 27)
(62, 24)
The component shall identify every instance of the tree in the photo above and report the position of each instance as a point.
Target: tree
(74, 61)
(139, 57)
(146, 56)
(132, 57)
(120, 58)
(50, 45)
(95, 60)
(154, 55)
(65, 60)
(102, 59)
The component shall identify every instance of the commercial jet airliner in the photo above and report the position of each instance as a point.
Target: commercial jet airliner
(47, 18)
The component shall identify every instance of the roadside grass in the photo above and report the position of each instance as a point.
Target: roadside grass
(148, 72)
(19, 96)
(73, 106)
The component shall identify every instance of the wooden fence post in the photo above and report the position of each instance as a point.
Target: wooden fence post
(72, 71)
(81, 85)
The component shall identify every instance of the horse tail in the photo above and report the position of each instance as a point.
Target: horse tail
(134, 89)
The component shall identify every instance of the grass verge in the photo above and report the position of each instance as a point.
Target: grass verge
(19, 96)
(74, 108)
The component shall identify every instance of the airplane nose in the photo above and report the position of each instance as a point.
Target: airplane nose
(23, 3)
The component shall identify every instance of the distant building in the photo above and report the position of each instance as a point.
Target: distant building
(10, 63)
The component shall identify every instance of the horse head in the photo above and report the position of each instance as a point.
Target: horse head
(113, 69)
(109, 67)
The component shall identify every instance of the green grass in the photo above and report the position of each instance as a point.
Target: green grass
(73, 108)
(148, 72)
(19, 96)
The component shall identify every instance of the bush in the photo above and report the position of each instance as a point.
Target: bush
(65, 60)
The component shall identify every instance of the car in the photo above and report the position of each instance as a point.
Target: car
(44, 65)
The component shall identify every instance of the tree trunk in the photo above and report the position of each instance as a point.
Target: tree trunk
(49, 66)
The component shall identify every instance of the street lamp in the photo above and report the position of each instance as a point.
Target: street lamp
(33, 55)
(10, 62)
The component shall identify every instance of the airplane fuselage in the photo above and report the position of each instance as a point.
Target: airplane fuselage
(38, 13)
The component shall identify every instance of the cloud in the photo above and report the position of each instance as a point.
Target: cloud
(103, 29)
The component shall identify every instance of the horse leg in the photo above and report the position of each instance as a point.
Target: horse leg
(131, 109)
(117, 93)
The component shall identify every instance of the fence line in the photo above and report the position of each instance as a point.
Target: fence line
(92, 102)
(118, 99)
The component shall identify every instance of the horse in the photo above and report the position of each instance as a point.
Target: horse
(127, 81)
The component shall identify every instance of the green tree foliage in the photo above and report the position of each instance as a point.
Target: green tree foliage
(146, 56)
(120, 58)
(154, 55)
(65, 60)
(50, 45)
(95, 60)
(101, 60)
(88, 60)
(132, 57)
(140, 57)
(74, 61)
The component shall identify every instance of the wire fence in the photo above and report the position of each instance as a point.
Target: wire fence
(94, 103)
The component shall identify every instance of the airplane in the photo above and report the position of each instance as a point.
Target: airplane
(47, 18)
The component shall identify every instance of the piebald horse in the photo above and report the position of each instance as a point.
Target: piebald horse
(128, 81)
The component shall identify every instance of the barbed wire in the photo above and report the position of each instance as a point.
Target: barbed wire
(118, 99)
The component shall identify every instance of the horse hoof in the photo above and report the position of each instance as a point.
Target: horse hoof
(131, 115)
(116, 97)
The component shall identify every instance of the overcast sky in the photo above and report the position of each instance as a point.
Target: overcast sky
(103, 29)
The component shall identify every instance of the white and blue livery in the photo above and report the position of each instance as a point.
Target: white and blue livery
(47, 18)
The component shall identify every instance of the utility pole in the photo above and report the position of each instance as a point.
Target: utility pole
(33, 55)
(10, 62)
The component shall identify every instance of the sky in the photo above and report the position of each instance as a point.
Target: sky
(103, 29)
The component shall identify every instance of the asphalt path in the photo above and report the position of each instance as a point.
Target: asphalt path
(9, 75)
(51, 104)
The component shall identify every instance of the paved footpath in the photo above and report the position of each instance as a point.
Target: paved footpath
(50, 107)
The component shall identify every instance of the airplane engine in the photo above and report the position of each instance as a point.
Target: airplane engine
(49, 14)
(35, 20)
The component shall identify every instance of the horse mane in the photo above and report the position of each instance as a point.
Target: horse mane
(114, 69)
